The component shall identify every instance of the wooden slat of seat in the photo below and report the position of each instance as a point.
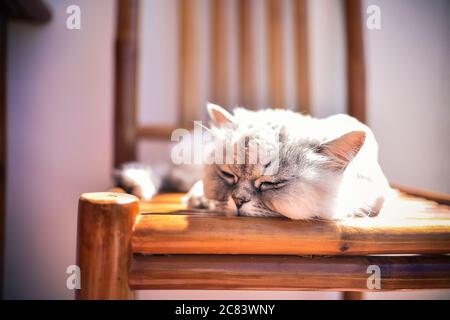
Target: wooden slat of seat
(183, 234)
(408, 226)
(286, 272)
(167, 202)
(421, 194)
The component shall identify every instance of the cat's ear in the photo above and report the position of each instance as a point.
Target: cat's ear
(219, 116)
(343, 149)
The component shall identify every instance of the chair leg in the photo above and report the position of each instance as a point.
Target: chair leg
(105, 224)
(352, 295)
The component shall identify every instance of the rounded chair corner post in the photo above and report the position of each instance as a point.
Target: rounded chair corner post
(105, 226)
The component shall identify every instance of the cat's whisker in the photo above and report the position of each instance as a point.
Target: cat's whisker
(205, 127)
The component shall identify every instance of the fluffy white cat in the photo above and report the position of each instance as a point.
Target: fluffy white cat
(322, 168)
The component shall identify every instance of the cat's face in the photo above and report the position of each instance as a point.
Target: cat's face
(261, 190)
(296, 181)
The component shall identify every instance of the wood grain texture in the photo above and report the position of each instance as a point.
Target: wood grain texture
(276, 85)
(352, 295)
(126, 59)
(163, 203)
(105, 222)
(219, 71)
(300, 41)
(162, 132)
(244, 272)
(247, 83)
(356, 78)
(170, 234)
(188, 63)
(411, 225)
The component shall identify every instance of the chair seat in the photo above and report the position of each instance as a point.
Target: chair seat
(177, 248)
(408, 225)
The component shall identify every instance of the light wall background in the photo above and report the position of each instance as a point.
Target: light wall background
(60, 98)
(60, 102)
(409, 91)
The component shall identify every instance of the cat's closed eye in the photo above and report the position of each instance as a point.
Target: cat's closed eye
(272, 185)
(227, 176)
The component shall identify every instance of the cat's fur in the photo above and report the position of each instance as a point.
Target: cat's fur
(325, 168)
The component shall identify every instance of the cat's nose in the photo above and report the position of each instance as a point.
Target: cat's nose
(239, 201)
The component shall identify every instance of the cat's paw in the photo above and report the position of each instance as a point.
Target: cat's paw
(198, 202)
(196, 199)
(136, 179)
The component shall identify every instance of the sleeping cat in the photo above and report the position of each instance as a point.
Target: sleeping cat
(284, 163)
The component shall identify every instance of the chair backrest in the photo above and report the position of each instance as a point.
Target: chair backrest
(232, 25)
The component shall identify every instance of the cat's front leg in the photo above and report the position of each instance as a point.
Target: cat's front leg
(196, 198)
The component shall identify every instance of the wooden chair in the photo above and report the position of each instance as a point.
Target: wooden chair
(126, 245)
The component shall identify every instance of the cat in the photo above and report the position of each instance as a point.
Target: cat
(312, 168)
